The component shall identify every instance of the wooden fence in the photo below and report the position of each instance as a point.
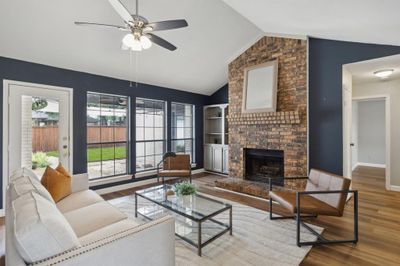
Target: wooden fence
(46, 138)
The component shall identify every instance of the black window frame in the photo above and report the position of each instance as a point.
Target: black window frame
(100, 143)
(193, 128)
(164, 140)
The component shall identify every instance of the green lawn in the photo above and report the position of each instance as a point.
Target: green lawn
(95, 155)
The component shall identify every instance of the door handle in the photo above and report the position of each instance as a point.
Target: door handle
(65, 146)
(352, 145)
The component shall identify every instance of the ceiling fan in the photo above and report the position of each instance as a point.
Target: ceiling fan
(140, 34)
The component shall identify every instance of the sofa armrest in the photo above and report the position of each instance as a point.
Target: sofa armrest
(152, 243)
(80, 182)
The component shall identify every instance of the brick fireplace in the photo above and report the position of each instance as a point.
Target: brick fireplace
(284, 130)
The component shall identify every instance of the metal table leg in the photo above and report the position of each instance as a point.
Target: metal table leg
(135, 205)
(199, 239)
(230, 221)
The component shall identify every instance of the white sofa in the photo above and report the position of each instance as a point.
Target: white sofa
(81, 229)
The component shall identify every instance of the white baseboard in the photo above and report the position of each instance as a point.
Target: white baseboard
(377, 165)
(109, 180)
(395, 188)
(198, 171)
(2, 213)
(216, 173)
(107, 190)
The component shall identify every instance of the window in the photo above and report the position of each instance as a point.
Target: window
(182, 139)
(150, 133)
(107, 135)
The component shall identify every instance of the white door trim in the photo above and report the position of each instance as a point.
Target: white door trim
(6, 85)
(387, 124)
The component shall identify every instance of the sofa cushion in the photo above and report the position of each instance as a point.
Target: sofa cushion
(26, 184)
(93, 217)
(24, 171)
(57, 183)
(110, 230)
(40, 230)
(78, 200)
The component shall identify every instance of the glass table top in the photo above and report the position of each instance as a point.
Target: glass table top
(196, 206)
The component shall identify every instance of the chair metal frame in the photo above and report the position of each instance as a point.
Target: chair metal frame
(298, 217)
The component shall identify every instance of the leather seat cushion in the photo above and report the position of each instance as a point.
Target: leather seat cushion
(93, 217)
(78, 200)
(174, 173)
(308, 204)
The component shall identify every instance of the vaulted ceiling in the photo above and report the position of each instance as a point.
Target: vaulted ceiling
(44, 32)
(219, 30)
(369, 21)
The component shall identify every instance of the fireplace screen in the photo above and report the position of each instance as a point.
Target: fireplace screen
(263, 164)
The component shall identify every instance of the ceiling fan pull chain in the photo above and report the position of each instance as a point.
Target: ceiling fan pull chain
(136, 67)
(137, 7)
(130, 68)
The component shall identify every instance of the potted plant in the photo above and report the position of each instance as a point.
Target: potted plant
(184, 191)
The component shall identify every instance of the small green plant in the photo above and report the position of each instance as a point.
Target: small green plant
(183, 189)
(39, 159)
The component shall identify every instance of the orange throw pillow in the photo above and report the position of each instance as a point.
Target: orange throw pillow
(57, 182)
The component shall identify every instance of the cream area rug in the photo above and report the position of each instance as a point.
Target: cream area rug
(255, 241)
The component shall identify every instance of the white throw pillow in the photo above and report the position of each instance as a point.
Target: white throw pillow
(25, 184)
(24, 171)
(40, 230)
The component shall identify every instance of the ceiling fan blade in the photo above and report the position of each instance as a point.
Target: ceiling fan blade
(168, 24)
(161, 42)
(79, 23)
(121, 10)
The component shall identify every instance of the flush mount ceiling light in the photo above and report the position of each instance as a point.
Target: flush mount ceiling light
(384, 73)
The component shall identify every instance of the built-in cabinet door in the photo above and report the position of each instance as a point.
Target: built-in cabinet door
(225, 160)
(217, 159)
(208, 157)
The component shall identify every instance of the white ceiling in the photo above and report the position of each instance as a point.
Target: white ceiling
(370, 21)
(44, 32)
(363, 72)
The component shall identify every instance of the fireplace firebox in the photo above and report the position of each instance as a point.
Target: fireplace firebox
(263, 164)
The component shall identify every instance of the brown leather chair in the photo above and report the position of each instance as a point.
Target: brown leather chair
(325, 194)
(175, 165)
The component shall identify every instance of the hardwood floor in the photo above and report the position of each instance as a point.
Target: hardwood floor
(379, 221)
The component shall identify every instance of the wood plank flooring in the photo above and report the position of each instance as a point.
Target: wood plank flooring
(379, 221)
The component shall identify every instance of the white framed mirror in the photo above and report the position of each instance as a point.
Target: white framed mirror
(260, 88)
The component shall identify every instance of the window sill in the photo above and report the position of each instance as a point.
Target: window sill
(108, 180)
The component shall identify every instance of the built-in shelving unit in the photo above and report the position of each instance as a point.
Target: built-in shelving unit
(216, 138)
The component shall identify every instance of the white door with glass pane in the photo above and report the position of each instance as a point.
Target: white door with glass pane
(38, 127)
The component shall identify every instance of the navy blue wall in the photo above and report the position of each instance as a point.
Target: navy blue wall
(220, 96)
(81, 83)
(326, 59)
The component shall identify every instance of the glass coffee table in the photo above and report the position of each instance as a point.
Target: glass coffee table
(199, 220)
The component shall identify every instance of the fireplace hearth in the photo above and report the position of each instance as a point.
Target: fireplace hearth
(263, 164)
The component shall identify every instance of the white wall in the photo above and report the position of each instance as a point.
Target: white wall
(371, 132)
(391, 88)
(354, 135)
(347, 105)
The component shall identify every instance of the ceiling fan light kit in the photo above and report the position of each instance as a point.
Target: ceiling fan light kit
(140, 36)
